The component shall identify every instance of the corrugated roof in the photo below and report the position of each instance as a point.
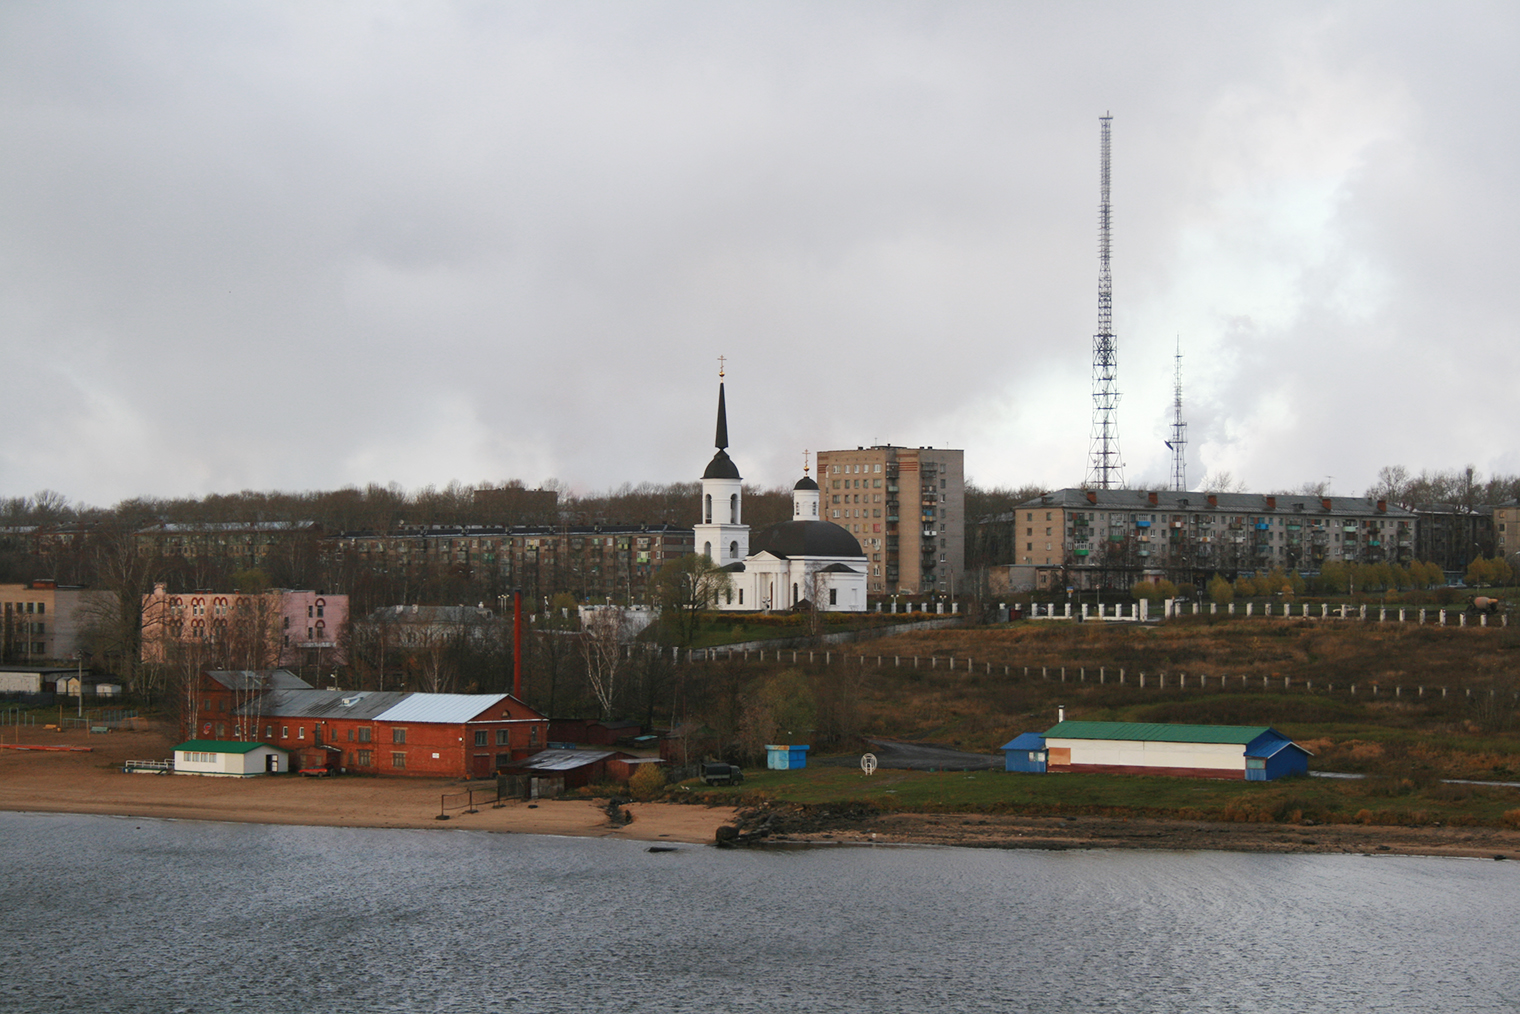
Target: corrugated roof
(1025, 741)
(440, 707)
(1224, 503)
(563, 760)
(258, 679)
(1158, 732)
(220, 746)
(362, 704)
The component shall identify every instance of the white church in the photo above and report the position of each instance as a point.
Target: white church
(804, 559)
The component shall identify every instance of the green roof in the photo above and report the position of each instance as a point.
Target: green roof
(220, 746)
(1157, 732)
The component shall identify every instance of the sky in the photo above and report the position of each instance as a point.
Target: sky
(295, 246)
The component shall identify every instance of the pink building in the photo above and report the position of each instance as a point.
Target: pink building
(278, 628)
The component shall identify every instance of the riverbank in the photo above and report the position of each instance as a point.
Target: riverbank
(855, 825)
(93, 782)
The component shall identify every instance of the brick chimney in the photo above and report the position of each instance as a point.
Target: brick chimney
(1153, 498)
(1271, 503)
(1325, 502)
(1382, 506)
(1092, 496)
(1213, 500)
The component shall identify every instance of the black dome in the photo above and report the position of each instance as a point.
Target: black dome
(806, 482)
(805, 538)
(721, 467)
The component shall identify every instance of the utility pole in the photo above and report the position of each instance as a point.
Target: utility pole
(1105, 466)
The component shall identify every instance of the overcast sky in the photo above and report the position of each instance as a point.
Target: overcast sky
(301, 246)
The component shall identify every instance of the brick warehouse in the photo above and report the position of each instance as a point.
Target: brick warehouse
(391, 733)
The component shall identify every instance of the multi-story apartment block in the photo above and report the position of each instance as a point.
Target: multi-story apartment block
(1453, 535)
(44, 620)
(907, 507)
(1506, 535)
(1110, 538)
(260, 630)
(242, 544)
(588, 561)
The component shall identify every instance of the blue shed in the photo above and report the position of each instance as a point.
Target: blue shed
(1273, 755)
(785, 758)
(1025, 752)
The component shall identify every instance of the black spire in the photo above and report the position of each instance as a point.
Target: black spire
(722, 438)
(721, 466)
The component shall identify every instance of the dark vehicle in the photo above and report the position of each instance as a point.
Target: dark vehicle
(722, 774)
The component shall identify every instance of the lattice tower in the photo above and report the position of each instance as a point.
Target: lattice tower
(1178, 443)
(1105, 465)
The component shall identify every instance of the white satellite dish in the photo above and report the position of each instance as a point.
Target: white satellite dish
(868, 763)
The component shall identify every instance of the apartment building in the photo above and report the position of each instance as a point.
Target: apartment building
(279, 627)
(907, 508)
(1085, 538)
(588, 561)
(1506, 535)
(45, 620)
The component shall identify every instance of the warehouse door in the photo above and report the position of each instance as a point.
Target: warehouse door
(482, 766)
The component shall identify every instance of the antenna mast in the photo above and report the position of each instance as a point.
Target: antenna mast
(1105, 468)
(1178, 443)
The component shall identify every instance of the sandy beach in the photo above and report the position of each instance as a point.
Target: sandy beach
(66, 782)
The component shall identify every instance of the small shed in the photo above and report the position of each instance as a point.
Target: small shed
(220, 758)
(785, 757)
(1026, 753)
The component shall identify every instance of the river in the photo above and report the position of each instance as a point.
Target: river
(126, 915)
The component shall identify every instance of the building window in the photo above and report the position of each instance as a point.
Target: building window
(480, 737)
(503, 737)
(301, 732)
(398, 760)
(366, 758)
(269, 732)
(364, 733)
(533, 735)
(284, 732)
(833, 596)
(398, 736)
(741, 596)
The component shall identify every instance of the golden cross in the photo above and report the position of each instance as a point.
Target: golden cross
(721, 361)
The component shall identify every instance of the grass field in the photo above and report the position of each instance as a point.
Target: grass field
(1318, 800)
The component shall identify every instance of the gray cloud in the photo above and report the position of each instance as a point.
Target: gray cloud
(296, 246)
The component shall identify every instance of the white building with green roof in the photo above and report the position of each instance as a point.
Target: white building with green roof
(224, 759)
(1250, 752)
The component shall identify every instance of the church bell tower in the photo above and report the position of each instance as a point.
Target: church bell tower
(722, 535)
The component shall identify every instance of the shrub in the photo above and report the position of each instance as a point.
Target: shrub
(1511, 818)
(1221, 591)
(646, 782)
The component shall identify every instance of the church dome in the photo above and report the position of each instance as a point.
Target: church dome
(805, 538)
(806, 482)
(721, 467)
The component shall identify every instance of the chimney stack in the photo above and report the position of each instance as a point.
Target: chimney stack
(1213, 500)
(1153, 498)
(1325, 502)
(1060, 712)
(1092, 496)
(1271, 503)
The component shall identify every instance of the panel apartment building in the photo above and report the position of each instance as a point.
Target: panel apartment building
(907, 507)
(1111, 538)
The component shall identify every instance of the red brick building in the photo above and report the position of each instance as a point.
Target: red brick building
(390, 733)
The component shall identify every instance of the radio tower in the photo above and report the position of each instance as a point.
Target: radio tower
(1105, 469)
(1178, 443)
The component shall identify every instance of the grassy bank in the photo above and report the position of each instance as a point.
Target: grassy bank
(1382, 801)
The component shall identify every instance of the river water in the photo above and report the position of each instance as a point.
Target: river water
(125, 915)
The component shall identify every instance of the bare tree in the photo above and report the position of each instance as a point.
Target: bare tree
(603, 632)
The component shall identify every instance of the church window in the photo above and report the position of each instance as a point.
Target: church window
(707, 550)
(815, 509)
(733, 550)
(733, 509)
(833, 596)
(729, 596)
(741, 596)
(795, 597)
(707, 509)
